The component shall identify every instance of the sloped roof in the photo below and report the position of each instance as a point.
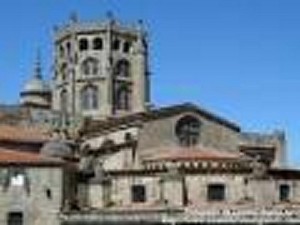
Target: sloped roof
(285, 173)
(91, 126)
(20, 133)
(191, 154)
(11, 117)
(36, 85)
(11, 157)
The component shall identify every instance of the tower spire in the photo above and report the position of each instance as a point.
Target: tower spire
(37, 67)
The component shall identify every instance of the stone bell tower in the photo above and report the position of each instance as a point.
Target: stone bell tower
(101, 69)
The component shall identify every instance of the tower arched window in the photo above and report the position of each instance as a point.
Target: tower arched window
(116, 44)
(126, 47)
(61, 51)
(122, 68)
(97, 44)
(188, 130)
(64, 101)
(89, 98)
(122, 97)
(90, 66)
(64, 71)
(68, 47)
(83, 44)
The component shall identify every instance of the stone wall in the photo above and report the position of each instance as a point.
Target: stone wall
(39, 198)
(275, 139)
(68, 55)
(191, 190)
(161, 133)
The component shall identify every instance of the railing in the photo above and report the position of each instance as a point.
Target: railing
(174, 216)
(256, 216)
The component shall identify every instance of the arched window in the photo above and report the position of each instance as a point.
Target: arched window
(97, 44)
(89, 98)
(64, 101)
(90, 66)
(188, 130)
(61, 51)
(126, 47)
(83, 44)
(64, 71)
(68, 46)
(122, 68)
(116, 44)
(122, 98)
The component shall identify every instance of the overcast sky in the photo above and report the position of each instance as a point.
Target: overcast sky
(238, 58)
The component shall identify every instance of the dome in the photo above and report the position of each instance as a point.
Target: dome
(36, 85)
(57, 148)
(36, 92)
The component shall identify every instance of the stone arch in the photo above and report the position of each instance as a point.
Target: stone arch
(122, 68)
(90, 66)
(89, 97)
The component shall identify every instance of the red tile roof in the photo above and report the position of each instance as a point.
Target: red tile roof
(23, 133)
(190, 154)
(8, 157)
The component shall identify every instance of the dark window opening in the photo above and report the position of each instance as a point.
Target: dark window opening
(126, 47)
(48, 193)
(15, 218)
(216, 192)
(284, 192)
(185, 197)
(188, 130)
(116, 44)
(61, 51)
(138, 193)
(128, 137)
(83, 44)
(68, 46)
(97, 44)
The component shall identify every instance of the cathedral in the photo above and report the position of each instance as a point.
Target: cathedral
(89, 147)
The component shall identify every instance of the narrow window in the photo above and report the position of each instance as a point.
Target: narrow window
(64, 72)
(89, 98)
(48, 193)
(97, 44)
(284, 192)
(126, 47)
(216, 192)
(68, 46)
(121, 86)
(83, 44)
(128, 137)
(15, 218)
(138, 193)
(116, 44)
(64, 101)
(61, 51)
